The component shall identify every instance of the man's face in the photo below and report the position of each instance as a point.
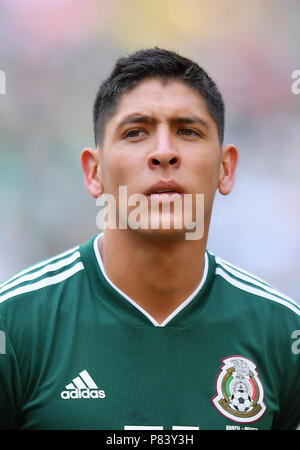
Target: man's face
(161, 137)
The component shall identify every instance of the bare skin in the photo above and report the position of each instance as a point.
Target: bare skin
(160, 132)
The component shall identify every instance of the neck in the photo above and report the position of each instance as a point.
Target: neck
(157, 273)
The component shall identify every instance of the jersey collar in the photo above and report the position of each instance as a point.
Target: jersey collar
(176, 312)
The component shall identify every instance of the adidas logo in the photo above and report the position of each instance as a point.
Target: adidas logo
(82, 386)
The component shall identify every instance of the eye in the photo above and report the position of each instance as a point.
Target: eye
(134, 134)
(189, 132)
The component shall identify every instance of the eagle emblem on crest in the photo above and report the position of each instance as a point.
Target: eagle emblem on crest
(240, 393)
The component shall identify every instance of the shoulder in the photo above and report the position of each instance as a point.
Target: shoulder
(253, 289)
(35, 281)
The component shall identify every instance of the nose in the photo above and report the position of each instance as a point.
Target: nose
(164, 154)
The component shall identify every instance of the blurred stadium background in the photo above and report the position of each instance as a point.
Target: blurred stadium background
(55, 53)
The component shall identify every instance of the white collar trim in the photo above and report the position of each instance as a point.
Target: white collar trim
(130, 300)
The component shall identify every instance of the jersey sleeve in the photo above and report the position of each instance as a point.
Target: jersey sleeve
(289, 414)
(289, 418)
(10, 383)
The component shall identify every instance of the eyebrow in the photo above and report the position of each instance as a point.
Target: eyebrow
(136, 118)
(140, 118)
(192, 120)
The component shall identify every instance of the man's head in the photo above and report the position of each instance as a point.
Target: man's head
(159, 122)
(154, 63)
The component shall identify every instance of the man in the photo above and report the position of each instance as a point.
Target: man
(142, 327)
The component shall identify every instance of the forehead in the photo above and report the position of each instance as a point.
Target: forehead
(161, 99)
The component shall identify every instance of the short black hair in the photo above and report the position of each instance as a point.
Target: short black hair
(158, 63)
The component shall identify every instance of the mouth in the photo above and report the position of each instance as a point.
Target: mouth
(164, 190)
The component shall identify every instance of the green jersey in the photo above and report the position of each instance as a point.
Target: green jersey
(78, 353)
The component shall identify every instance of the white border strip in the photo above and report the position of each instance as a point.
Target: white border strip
(255, 291)
(130, 300)
(255, 281)
(45, 269)
(44, 282)
(36, 266)
(226, 263)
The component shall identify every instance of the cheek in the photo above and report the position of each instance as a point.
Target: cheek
(117, 172)
(206, 174)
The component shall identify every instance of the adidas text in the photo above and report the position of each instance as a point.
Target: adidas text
(82, 393)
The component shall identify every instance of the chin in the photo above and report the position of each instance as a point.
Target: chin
(161, 234)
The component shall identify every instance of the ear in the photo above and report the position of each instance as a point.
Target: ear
(90, 163)
(229, 162)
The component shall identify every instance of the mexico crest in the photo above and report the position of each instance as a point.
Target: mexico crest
(240, 393)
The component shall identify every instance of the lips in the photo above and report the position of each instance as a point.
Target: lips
(166, 188)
